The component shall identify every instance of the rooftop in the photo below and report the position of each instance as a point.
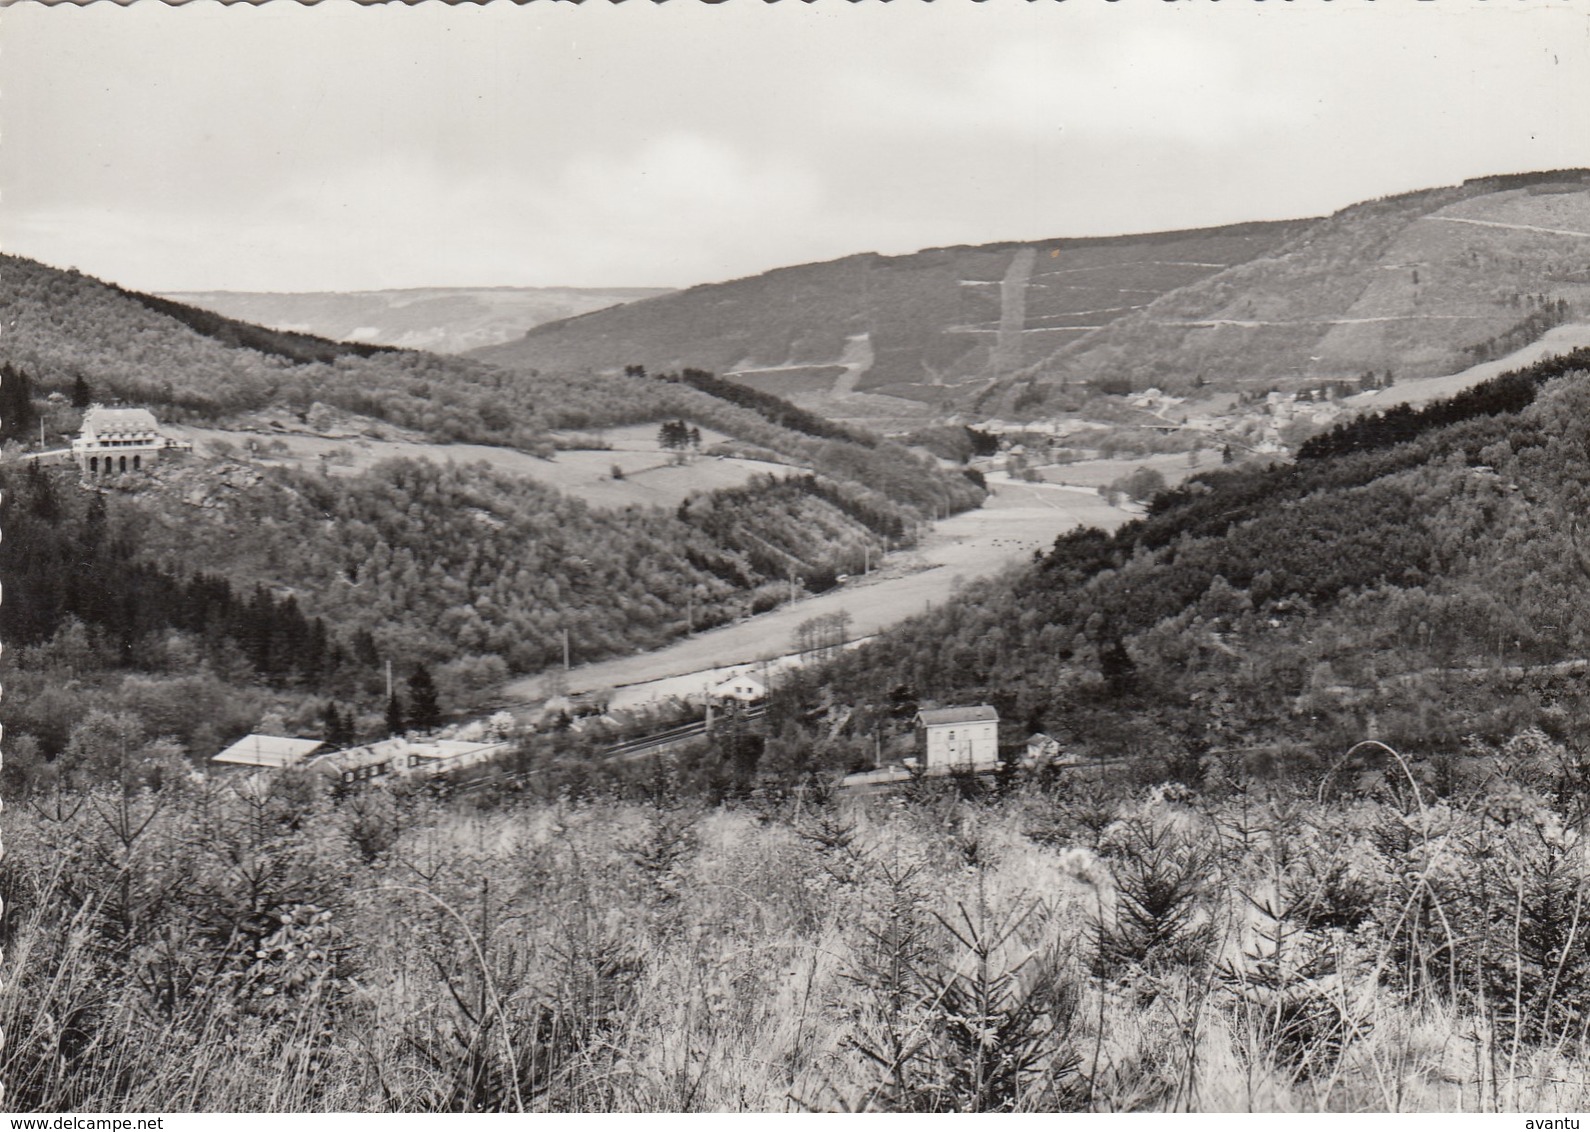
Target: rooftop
(981, 713)
(268, 750)
(100, 421)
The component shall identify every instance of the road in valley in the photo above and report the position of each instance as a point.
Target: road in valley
(1016, 520)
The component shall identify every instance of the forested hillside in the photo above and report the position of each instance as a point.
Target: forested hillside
(1418, 576)
(193, 365)
(225, 587)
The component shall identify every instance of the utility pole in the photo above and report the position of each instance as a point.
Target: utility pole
(389, 680)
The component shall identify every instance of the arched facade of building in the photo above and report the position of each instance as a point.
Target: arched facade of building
(112, 440)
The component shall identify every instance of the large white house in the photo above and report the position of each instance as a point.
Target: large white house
(959, 738)
(114, 441)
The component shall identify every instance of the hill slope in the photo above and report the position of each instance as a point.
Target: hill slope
(934, 327)
(194, 366)
(448, 320)
(258, 563)
(1421, 284)
(1417, 576)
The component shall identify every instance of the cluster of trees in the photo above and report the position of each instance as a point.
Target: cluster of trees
(775, 409)
(955, 442)
(1547, 315)
(1140, 485)
(820, 638)
(65, 561)
(18, 417)
(678, 434)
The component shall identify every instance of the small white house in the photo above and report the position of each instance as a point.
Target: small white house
(1042, 748)
(744, 688)
(959, 738)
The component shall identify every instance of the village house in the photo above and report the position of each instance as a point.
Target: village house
(743, 688)
(403, 757)
(440, 756)
(360, 764)
(115, 441)
(959, 738)
(1041, 748)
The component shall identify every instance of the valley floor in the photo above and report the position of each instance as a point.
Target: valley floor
(1016, 520)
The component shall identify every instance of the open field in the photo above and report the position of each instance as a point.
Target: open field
(1017, 520)
(649, 479)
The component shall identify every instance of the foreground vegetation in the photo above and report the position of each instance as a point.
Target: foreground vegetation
(1387, 938)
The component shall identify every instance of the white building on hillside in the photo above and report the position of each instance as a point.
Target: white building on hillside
(959, 738)
(114, 441)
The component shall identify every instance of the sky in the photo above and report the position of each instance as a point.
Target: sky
(340, 147)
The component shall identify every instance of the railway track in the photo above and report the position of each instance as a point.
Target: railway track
(638, 748)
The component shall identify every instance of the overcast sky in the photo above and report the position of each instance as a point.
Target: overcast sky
(337, 147)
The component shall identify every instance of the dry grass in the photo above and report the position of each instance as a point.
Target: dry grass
(236, 952)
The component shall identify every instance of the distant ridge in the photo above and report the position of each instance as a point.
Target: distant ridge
(444, 319)
(1420, 283)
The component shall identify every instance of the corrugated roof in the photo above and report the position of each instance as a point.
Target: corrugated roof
(101, 421)
(352, 758)
(981, 713)
(268, 750)
(451, 749)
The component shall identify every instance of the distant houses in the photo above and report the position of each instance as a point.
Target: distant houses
(396, 757)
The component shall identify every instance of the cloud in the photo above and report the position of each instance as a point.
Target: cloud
(1145, 84)
(678, 209)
